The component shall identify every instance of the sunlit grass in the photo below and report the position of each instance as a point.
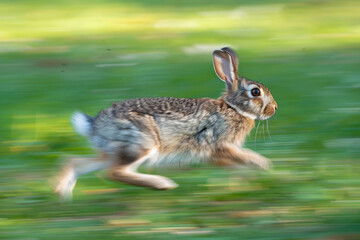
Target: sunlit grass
(280, 27)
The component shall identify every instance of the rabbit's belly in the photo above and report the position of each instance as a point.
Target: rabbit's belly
(176, 159)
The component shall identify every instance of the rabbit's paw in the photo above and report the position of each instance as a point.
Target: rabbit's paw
(163, 183)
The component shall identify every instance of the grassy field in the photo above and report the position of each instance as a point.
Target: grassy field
(56, 58)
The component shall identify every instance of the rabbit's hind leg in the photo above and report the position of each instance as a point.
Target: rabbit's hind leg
(127, 173)
(66, 180)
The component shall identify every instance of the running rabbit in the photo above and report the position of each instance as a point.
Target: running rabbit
(152, 130)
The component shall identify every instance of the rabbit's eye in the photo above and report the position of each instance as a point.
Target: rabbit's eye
(255, 92)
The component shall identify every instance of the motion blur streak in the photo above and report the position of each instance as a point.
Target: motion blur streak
(56, 58)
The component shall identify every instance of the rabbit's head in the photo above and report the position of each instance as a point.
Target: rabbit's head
(248, 98)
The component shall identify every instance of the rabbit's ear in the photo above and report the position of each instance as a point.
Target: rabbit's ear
(226, 67)
(234, 57)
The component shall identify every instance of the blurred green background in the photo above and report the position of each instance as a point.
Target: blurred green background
(58, 57)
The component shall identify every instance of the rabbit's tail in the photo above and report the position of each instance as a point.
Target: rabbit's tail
(82, 123)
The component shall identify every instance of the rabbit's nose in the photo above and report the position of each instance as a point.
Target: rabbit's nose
(275, 106)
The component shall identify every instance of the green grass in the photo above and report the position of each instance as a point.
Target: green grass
(52, 58)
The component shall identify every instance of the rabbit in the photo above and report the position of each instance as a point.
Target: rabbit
(135, 131)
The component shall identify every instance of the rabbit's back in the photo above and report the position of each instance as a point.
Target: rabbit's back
(171, 124)
(147, 115)
(146, 121)
(157, 106)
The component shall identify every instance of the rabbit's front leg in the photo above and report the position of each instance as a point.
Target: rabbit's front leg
(232, 155)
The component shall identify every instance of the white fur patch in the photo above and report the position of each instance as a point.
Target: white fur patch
(246, 114)
(81, 124)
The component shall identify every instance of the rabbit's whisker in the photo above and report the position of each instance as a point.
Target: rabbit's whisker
(257, 132)
(268, 130)
(263, 130)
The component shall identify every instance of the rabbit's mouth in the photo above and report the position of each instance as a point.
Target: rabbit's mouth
(264, 117)
(269, 111)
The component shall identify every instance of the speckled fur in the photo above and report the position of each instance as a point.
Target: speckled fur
(196, 126)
